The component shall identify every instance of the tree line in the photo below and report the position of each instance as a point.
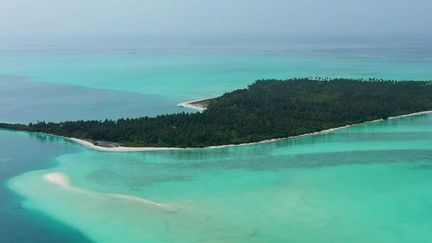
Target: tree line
(266, 109)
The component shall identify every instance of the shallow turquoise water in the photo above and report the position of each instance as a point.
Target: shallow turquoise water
(368, 183)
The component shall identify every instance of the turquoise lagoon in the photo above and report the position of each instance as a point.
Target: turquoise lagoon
(367, 183)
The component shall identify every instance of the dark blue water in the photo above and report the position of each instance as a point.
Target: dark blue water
(24, 101)
(16, 223)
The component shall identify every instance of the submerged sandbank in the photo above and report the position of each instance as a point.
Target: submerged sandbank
(63, 181)
(90, 145)
(57, 178)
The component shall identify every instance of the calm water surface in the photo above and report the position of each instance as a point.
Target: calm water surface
(368, 183)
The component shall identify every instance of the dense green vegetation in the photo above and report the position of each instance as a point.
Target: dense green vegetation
(266, 109)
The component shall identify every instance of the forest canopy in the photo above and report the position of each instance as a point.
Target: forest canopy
(267, 109)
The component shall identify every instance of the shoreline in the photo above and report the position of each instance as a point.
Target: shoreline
(192, 104)
(90, 145)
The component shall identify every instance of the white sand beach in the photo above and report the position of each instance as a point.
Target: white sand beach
(119, 148)
(191, 105)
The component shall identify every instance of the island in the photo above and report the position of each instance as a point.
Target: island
(265, 110)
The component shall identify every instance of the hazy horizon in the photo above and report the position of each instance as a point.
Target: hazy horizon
(50, 21)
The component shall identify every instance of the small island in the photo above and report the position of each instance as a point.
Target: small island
(267, 109)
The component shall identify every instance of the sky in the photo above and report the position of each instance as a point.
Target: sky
(74, 19)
